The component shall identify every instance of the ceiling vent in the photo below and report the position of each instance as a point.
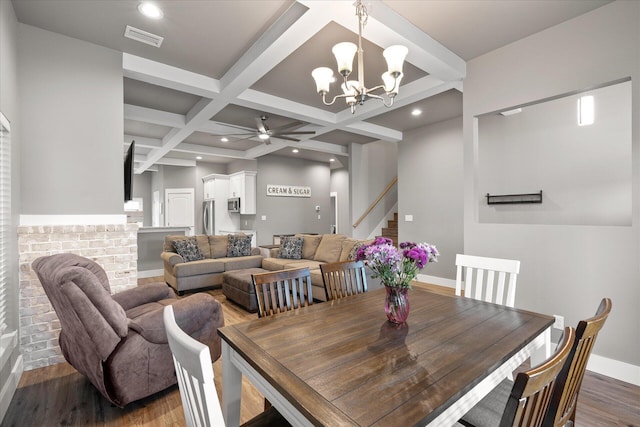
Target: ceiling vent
(142, 36)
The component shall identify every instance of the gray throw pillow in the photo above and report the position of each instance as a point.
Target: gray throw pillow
(354, 251)
(188, 249)
(239, 245)
(291, 247)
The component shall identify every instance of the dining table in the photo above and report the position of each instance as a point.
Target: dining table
(342, 363)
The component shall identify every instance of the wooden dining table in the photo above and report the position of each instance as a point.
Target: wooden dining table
(341, 363)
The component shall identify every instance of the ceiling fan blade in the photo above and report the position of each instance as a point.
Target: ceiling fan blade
(286, 138)
(307, 132)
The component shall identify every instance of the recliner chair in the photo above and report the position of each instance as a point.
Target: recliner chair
(119, 341)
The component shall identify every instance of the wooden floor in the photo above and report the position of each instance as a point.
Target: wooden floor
(59, 396)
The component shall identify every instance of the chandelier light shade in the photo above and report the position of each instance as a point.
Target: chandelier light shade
(354, 91)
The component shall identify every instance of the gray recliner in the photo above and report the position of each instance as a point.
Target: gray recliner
(119, 341)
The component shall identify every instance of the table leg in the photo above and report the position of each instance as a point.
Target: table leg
(231, 387)
(543, 353)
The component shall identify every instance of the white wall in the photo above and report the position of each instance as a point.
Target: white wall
(430, 187)
(71, 125)
(566, 269)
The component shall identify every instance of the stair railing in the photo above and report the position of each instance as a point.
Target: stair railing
(375, 202)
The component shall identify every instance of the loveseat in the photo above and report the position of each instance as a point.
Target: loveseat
(314, 250)
(192, 262)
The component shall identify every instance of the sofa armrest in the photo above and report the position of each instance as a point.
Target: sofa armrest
(170, 259)
(143, 294)
(255, 251)
(193, 314)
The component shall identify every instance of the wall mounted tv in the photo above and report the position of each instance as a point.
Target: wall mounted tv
(128, 172)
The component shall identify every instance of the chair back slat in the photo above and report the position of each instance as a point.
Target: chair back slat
(282, 290)
(487, 289)
(530, 396)
(194, 371)
(565, 396)
(342, 279)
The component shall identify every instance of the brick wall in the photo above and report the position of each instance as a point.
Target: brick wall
(114, 247)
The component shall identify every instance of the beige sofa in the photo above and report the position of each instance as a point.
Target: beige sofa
(184, 276)
(316, 250)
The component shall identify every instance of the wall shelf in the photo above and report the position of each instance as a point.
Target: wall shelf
(504, 199)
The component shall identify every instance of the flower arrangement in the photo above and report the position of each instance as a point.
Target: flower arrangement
(397, 268)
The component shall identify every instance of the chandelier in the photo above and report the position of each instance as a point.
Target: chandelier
(354, 91)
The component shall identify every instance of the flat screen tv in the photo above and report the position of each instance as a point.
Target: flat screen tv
(128, 172)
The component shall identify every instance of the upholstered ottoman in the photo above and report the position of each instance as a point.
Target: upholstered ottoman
(238, 287)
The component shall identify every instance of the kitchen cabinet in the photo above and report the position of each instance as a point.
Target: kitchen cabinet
(243, 185)
(212, 184)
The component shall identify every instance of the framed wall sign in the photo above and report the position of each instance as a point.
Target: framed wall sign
(288, 190)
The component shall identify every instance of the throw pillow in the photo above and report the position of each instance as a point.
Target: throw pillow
(239, 245)
(291, 247)
(354, 251)
(188, 249)
(329, 248)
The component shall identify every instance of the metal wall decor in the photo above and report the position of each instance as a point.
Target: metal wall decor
(504, 199)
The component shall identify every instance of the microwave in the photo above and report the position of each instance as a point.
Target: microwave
(233, 204)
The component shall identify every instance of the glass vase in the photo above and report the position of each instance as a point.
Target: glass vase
(396, 305)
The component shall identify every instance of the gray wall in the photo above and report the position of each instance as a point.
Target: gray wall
(373, 166)
(71, 125)
(566, 269)
(287, 215)
(9, 107)
(340, 185)
(584, 171)
(142, 189)
(430, 187)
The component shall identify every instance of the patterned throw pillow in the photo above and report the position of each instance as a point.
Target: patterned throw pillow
(354, 251)
(188, 249)
(239, 245)
(290, 247)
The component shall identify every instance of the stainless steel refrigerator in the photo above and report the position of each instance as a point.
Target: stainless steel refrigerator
(208, 217)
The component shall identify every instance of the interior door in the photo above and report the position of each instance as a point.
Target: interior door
(180, 209)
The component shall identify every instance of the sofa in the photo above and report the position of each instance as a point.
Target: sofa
(193, 262)
(119, 341)
(315, 250)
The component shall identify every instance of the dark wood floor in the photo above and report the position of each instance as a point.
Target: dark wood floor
(59, 396)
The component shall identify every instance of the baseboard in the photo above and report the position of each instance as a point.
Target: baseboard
(434, 280)
(10, 387)
(615, 369)
(150, 273)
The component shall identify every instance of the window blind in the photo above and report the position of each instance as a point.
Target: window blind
(5, 219)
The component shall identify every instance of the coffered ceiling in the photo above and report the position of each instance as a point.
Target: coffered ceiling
(222, 64)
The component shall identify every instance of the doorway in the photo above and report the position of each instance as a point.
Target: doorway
(333, 212)
(179, 208)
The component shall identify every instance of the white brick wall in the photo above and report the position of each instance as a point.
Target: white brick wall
(114, 247)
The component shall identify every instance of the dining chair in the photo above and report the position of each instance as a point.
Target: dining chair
(565, 396)
(474, 284)
(525, 401)
(282, 290)
(198, 393)
(342, 279)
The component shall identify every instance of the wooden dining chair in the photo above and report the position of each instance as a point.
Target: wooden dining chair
(565, 396)
(525, 401)
(342, 279)
(477, 287)
(194, 370)
(282, 290)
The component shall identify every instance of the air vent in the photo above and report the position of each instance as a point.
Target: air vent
(137, 34)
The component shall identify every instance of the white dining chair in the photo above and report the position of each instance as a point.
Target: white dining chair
(476, 286)
(194, 370)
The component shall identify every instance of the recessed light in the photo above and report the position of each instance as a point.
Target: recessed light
(150, 10)
(198, 157)
(295, 150)
(223, 139)
(332, 159)
(416, 112)
(263, 136)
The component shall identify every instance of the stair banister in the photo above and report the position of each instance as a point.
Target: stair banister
(375, 202)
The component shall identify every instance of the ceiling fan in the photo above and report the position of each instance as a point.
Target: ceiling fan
(265, 133)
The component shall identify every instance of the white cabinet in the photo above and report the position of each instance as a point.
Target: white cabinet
(212, 186)
(243, 185)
